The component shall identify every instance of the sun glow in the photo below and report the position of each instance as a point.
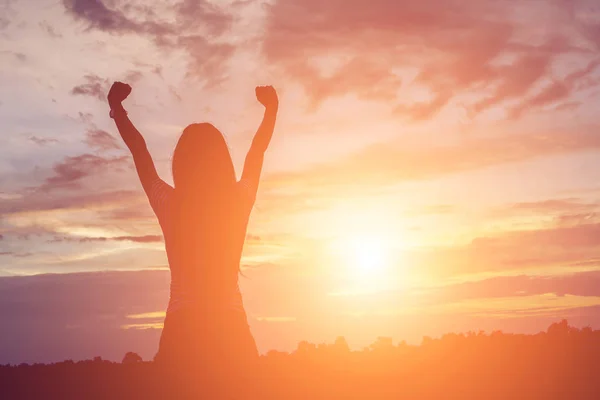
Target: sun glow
(365, 256)
(369, 255)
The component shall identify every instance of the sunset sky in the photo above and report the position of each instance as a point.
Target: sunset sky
(435, 166)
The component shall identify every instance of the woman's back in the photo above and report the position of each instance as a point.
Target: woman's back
(204, 244)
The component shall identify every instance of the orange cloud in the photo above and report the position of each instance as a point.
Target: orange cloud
(563, 247)
(561, 208)
(389, 163)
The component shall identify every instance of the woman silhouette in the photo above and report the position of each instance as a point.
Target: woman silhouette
(204, 220)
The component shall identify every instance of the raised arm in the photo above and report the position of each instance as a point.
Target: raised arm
(131, 136)
(254, 159)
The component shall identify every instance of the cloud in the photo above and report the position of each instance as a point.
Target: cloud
(69, 173)
(49, 30)
(98, 16)
(207, 59)
(516, 79)
(95, 87)
(574, 237)
(559, 246)
(86, 118)
(143, 19)
(135, 239)
(150, 315)
(449, 49)
(175, 94)
(560, 207)
(42, 141)
(576, 219)
(392, 162)
(584, 13)
(584, 284)
(7, 14)
(196, 27)
(133, 76)
(21, 57)
(102, 140)
(568, 106)
(383, 31)
(189, 12)
(32, 202)
(556, 91)
(23, 255)
(129, 212)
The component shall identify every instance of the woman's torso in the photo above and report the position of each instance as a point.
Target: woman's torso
(204, 248)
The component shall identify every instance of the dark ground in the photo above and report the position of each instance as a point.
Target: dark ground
(562, 363)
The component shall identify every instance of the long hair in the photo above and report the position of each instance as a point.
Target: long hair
(202, 164)
(206, 205)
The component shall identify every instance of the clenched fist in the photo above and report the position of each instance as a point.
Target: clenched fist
(267, 96)
(117, 93)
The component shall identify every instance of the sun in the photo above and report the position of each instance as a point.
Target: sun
(366, 256)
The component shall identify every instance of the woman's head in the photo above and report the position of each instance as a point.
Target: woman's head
(201, 161)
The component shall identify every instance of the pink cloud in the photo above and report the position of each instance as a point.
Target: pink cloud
(94, 87)
(98, 16)
(42, 141)
(69, 173)
(102, 140)
(454, 45)
(62, 201)
(207, 56)
(135, 239)
(558, 90)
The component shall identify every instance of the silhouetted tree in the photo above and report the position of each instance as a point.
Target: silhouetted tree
(341, 345)
(131, 358)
